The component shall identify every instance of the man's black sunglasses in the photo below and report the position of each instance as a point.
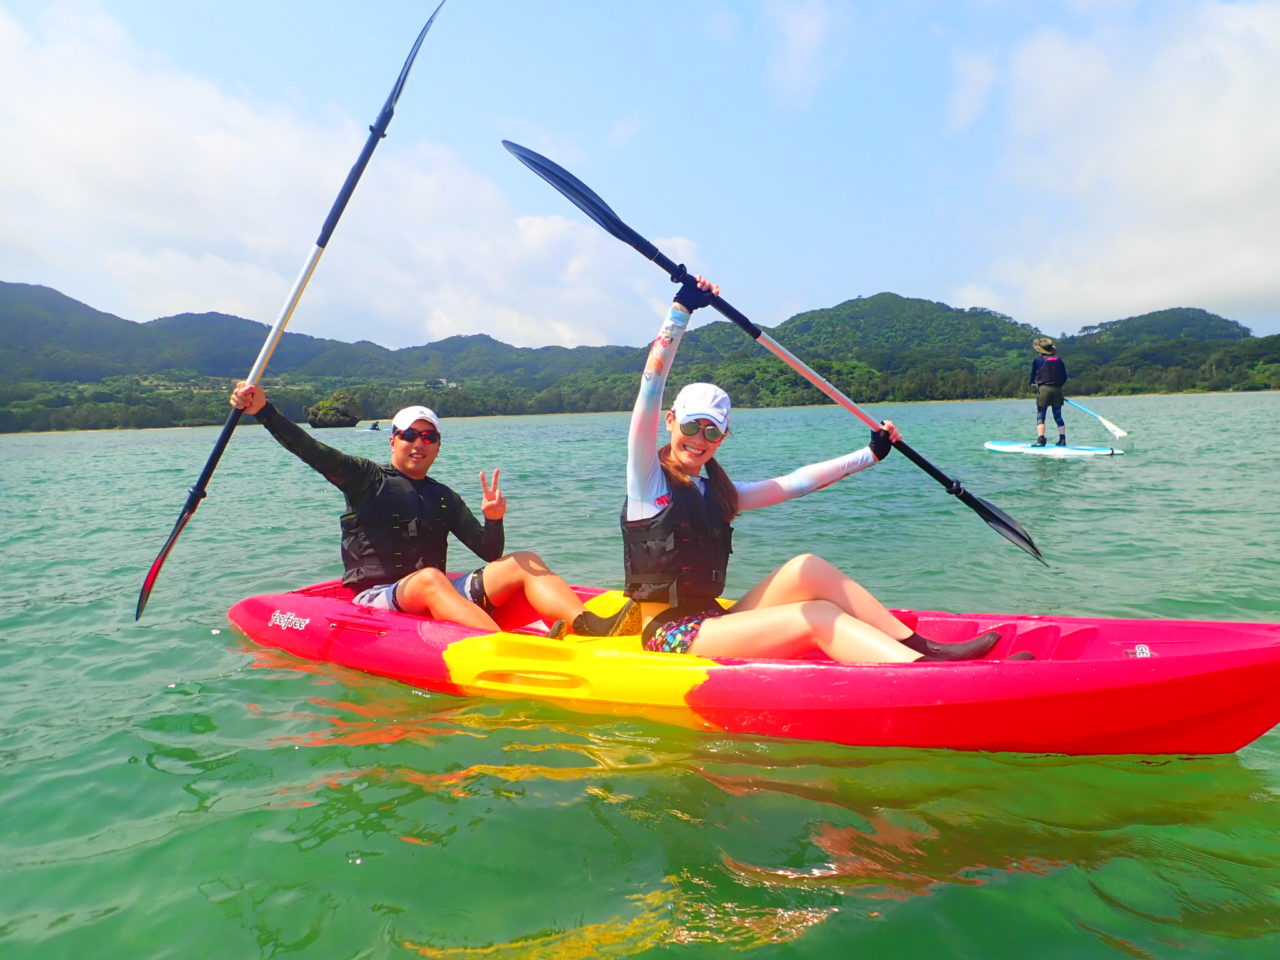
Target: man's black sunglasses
(410, 434)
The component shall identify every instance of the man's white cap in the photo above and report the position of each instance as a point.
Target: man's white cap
(702, 401)
(407, 417)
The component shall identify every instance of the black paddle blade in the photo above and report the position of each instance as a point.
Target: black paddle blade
(1001, 523)
(377, 131)
(390, 105)
(996, 518)
(582, 197)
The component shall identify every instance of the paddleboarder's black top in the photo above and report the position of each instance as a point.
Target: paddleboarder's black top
(1048, 371)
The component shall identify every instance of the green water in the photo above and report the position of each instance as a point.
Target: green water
(169, 790)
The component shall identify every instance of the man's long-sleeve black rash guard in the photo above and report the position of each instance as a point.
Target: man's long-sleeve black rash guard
(359, 480)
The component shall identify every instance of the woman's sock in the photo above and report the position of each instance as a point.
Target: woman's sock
(973, 649)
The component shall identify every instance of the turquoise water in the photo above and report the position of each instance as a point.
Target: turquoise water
(170, 790)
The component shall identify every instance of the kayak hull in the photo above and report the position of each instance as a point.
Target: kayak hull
(1097, 686)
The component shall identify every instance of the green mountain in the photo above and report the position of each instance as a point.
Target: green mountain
(888, 323)
(64, 365)
(1179, 323)
(47, 336)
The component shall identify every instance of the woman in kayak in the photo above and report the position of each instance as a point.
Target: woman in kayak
(676, 536)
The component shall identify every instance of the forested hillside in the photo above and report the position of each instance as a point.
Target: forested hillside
(64, 365)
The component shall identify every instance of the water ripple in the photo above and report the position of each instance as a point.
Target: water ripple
(169, 789)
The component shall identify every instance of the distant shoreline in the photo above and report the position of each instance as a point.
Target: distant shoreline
(592, 413)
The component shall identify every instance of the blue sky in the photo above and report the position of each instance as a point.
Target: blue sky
(1066, 163)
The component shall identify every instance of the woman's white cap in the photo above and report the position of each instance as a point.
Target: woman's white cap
(702, 401)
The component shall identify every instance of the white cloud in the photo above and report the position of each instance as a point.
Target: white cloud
(623, 131)
(1150, 157)
(145, 192)
(975, 76)
(722, 22)
(803, 53)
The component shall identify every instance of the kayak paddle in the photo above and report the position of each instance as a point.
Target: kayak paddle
(582, 196)
(197, 493)
(1114, 430)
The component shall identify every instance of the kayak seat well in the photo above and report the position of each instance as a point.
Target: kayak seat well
(960, 629)
(1073, 644)
(1048, 641)
(333, 589)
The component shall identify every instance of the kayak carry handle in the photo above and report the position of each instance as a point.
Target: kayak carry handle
(519, 681)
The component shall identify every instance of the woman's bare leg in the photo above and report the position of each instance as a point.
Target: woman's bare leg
(809, 577)
(793, 629)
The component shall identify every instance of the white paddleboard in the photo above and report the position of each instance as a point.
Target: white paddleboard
(1050, 450)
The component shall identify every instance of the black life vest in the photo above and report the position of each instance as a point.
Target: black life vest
(680, 554)
(1052, 373)
(405, 527)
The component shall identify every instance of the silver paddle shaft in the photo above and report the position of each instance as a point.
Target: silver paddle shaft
(819, 381)
(282, 321)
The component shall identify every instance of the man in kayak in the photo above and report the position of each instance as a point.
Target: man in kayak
(677, 536)
(1048, 374)
(397, 523)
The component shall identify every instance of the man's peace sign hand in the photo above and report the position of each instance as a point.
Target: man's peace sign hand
(495, 504)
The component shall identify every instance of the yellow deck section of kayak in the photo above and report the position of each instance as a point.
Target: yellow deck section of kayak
(595, 670)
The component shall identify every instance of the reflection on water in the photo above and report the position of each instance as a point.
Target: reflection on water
(658, 918)
(748, 843)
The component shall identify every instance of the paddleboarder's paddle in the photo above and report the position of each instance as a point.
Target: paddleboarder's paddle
(1111, 427)
(589, 203)
(197, 493)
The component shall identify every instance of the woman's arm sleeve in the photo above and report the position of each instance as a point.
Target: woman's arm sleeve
(814, 476)
(645, 481)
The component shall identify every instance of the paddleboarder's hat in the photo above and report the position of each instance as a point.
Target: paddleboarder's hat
(407, 417)
(702, 401)
(1043, 345)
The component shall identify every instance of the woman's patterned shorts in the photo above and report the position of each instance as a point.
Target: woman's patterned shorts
(677, 636)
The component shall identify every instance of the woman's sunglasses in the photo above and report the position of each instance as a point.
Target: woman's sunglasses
(713, 433)
(410, 434)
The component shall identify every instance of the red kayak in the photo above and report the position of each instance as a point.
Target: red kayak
(1096, 686)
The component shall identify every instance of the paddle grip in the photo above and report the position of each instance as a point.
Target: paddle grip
(376, 133)
(678, 273)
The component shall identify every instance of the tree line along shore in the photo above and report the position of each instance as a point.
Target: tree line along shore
(132, 402)
(65, 366)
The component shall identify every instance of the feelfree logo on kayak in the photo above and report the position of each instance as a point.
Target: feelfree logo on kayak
(286, 619)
